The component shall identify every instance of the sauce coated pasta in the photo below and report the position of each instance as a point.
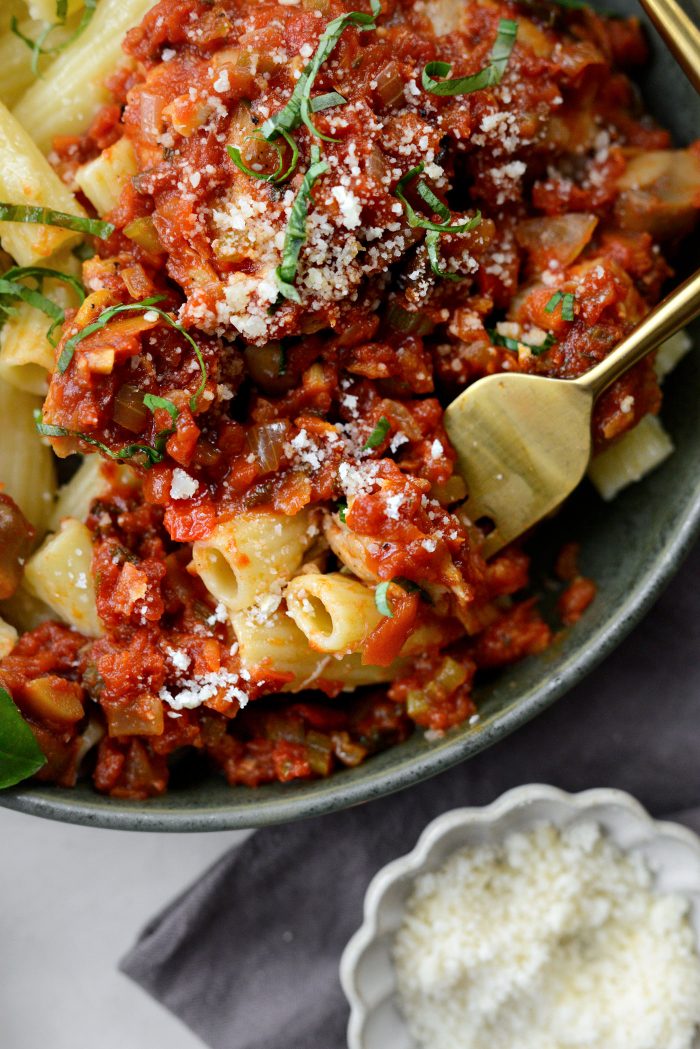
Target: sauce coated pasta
(272, 240)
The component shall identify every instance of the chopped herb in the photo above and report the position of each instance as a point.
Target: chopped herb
(300, 106)
(377, 435)
(295, 234)
(49, 217)
(10, 289)
(152, 401)
(434, 228)
(567, 306)
(147, 306)
(417, 221)
(154, 453)
(37, 45)
(567, 300)
(328, 101)
(343, 512)
(514, 344)
(20, 754)
(83, 252)
(381, 597)
(489, 76)
(281, 173)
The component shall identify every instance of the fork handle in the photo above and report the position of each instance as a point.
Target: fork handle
(677, 309)
(679, 33)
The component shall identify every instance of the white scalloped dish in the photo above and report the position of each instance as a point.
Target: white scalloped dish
(671, 852)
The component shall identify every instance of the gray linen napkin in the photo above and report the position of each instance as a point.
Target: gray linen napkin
(248, 957)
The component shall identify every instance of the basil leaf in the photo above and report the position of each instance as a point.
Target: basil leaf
(380, 599)
(343, 512)
(515, 344)
(377, 435)
(554, 302)
(154, 453)
(295, 234)
(328, 101)
(153, 401)
(381, 596)
(432, 240)
(20, 754)
(282, 173)
(417, 221)
(567, 301)
(49, 217)
(37, 46)
(147, 306)
(489, 76)
(9, 288)
(299, 107)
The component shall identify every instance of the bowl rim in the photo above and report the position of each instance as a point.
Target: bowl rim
(336, 793)
(411, 863)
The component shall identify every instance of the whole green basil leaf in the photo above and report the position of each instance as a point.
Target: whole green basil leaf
(20, 754)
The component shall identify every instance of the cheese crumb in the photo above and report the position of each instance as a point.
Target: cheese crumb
(182, 485)
(553, 939)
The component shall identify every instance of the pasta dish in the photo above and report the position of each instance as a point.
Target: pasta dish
(251, 250)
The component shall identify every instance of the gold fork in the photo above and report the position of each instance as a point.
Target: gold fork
(523, 442)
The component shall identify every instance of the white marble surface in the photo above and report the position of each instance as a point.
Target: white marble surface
(72, 901)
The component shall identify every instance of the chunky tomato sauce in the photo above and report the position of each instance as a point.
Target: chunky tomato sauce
(330, 396)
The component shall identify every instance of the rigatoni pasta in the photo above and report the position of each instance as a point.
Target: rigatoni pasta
(289, 237)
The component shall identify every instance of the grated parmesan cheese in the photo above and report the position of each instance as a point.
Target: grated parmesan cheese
(549, 941)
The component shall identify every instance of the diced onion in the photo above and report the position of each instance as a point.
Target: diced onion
(129, 410)
(266, 442)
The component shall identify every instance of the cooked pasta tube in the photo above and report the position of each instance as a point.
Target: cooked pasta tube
(334, 611)
(349, 547)
(27, 178)
(635, 455)
(26, 464)
(8, 638)
(252, 555)
(277, 645)
(26, 355)
(45, 10)
(93, 480)
(59, 574)
(103, 178)
(65, 101)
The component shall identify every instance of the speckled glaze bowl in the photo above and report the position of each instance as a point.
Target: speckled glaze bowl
(631, 548)
(671, 852)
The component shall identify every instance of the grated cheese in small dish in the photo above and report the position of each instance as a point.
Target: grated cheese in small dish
(550, 940)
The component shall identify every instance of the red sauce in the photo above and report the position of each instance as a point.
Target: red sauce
(336, 400)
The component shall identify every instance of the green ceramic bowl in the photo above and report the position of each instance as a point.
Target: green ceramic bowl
(630, 547)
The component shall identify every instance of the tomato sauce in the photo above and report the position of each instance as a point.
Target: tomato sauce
(330, 397)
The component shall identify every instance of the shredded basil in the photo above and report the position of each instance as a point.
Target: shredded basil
(300, 106)
(417, 221)
(282, 173)
(37, 45)
(513, 344)
(328, 101)
(153, 401)
(10, 289)
(489, 76)
(377, 435)
(567, 300)
(343, 512)
(381, 596)
(154, 453)
(20, 754)
(434, 228)
(148, 305)
(49, 217)
(295, 234)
